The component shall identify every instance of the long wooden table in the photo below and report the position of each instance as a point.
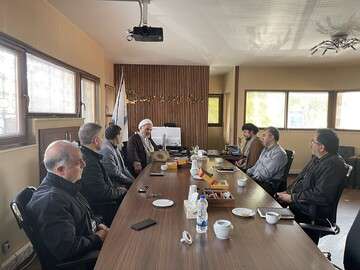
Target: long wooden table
(254, 243)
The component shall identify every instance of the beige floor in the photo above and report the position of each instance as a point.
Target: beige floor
(348, 207)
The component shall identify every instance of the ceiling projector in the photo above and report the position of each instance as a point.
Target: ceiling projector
(146, 34)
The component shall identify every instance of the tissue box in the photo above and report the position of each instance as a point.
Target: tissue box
(190, 212)
(216, 198)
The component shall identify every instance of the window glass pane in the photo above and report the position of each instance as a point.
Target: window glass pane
(88, 100)
(214, 110)
(265, 109)
(51, 88)
(9, 106)
(307, 110)
(348, 110)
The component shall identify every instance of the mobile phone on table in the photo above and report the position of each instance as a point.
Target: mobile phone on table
(143, 224)
(156, 174)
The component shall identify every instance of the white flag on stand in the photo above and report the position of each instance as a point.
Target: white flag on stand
(119, 116)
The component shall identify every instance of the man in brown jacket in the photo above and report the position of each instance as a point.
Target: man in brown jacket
(252, 147)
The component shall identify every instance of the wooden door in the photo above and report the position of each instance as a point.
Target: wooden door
(47, 136)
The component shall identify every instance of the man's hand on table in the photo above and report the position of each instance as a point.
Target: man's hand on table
(283, 197)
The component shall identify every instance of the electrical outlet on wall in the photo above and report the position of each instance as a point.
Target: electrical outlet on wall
(5, 247)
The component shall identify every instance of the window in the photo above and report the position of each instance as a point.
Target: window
(11, 114)
(215, 111)
(347, 110)
(265, 108)
(51, 88)
(308, 110)
(88, 91)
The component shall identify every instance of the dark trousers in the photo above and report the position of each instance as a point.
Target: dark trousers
(270, 187)
(302, 218)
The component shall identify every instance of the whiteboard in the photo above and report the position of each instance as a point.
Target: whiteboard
(172, 135)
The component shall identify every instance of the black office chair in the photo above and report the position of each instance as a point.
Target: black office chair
(283, 183)
(25, 222)
(321, 227)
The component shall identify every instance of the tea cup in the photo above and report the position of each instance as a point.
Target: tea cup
(272, 217)
(223, 228)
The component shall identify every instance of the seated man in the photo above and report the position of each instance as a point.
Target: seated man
(269, 168)
(252, 148)
(95, 184)
(320, 182)
(61, 214)
(112, 159)
(140, 146)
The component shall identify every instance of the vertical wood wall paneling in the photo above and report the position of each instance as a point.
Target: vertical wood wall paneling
(149, 81)
(236, 103)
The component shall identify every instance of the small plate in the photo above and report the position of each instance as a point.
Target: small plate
(197, 177)
(163, 203)
(243, 212)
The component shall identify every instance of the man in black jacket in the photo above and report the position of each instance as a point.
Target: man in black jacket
(61, 214)
(95, 184)
(320, 184)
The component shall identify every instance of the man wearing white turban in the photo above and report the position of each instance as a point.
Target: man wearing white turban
(140, 146)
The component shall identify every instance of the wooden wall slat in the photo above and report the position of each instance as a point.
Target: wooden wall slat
(148, 81)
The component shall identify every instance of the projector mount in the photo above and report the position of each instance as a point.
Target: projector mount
(143, 32)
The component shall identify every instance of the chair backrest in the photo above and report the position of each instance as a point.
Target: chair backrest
(18, 205)
(352, 246)
(346, 151)
(25, 222)
(340, 190)
(290, 156)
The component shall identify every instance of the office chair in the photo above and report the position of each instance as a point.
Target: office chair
(320, 228)
(25, 222)
(283, 183)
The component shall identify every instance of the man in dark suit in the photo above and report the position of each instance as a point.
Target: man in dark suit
(320, 182)
(140, 146)
(61, 214)
(95, 183)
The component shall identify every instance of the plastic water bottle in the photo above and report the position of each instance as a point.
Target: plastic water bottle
(202, 216)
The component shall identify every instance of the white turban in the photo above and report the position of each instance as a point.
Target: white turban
(145, 122)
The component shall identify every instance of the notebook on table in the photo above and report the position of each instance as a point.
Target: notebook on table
(285, 213)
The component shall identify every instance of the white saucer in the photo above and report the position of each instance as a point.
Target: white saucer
(243, 212)
(163, 203)
(197, 177)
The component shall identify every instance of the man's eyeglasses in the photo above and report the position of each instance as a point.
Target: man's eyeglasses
(315, 142)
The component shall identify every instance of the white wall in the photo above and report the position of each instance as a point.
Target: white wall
(40, 25)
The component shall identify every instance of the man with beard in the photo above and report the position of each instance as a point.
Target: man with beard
(252, 148)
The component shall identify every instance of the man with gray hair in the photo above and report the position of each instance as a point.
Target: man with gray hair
(95, 183)
(61, 214)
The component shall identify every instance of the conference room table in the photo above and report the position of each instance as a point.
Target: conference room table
(254, 244)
